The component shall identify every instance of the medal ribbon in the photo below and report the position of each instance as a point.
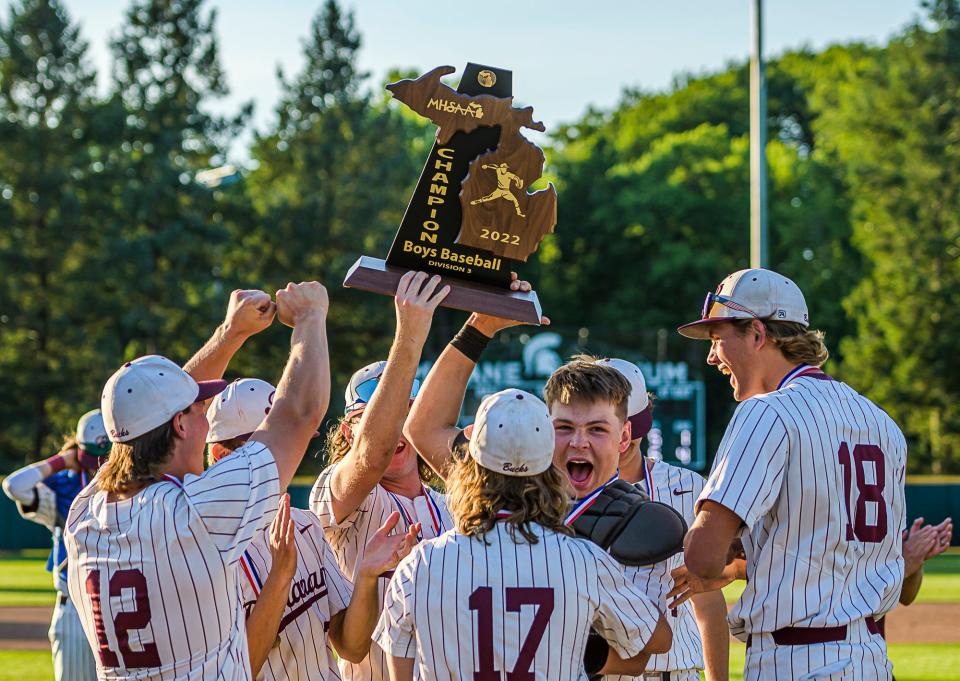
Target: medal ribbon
(588, 500)
(802, 370)
(647, 478)
(431, 506)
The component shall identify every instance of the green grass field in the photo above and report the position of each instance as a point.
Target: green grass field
(912, 662)
(19, 665)
(24, 579)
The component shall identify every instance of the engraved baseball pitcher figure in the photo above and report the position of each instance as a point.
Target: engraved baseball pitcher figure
(504, 179)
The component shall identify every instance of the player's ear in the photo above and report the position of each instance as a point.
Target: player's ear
(346, 430)
(179, 427)
(759, 332)
(625, 436)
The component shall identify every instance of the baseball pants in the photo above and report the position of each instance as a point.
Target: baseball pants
(72, 657)
(861, 657)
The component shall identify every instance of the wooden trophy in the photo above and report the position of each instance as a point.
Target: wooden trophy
(471, 215)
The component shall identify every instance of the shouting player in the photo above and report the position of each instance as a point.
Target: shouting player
(298, 603)
(43, 493)
(701, 637)
(153, 543)
(510, 590)
(810, 475)
(373, 472)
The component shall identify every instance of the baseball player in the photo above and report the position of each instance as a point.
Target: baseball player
(509, 590)
(373, 471)
(153, 543)
(588, 404)
(43, 492)
(701, 637)
(297, 601)
(810, 475)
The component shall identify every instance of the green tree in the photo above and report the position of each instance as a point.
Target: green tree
(163, 240)
(332, 178)
(895, 129)
(654, 201)
(48, 179)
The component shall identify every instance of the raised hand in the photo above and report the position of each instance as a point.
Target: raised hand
(489, 325)
(298, 302)
(944, 534)
(70, 456)
(283, 545)
(384, 550)
(686, 585)
(417, 299)
(249, 312)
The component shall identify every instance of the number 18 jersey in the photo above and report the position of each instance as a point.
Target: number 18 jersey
(816, 472)
(466, 609)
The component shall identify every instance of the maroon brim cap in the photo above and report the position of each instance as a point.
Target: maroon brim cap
(210, 388)
(641, 423)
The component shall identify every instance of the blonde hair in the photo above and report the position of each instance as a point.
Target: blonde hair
(137, 463)
(582, 378)
(338, 445)
(475, 494)
(797, 343)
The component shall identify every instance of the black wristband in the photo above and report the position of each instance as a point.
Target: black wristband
(470, 342)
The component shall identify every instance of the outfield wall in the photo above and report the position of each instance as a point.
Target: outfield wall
(934, 501)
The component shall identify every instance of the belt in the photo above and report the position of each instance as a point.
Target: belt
(801, 636)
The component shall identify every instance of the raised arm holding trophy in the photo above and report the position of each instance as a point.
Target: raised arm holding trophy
(470, 214)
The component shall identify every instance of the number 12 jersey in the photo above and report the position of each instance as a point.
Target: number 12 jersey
(154, 577)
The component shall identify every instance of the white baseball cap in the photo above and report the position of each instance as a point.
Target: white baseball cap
(239, 409)
(639, 411)
(513, 434)
(92, 440)
(750, 294)
(91, 433)
(364, 382)
(146, 393)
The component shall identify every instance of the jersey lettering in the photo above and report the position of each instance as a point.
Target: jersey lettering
(866, 492)
(481, 600)
(123, 622)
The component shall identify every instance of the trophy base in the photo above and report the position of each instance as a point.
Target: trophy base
(375, 275)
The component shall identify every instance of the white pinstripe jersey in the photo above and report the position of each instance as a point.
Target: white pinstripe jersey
(318, 591)
(468, 610)
(678, 488)
(349, 538)
(154, 577)
(816, 471)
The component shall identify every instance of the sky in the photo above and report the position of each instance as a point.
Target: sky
(566, 56)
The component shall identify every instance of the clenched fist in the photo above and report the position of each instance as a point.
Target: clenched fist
(298, 302)
(249, 312)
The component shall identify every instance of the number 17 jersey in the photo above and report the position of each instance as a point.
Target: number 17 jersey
(816, 472)
(478, 607)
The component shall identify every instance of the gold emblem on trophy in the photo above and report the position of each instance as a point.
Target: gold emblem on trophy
(487, 78)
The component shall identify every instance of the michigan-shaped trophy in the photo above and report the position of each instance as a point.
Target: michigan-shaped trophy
(471, 214)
